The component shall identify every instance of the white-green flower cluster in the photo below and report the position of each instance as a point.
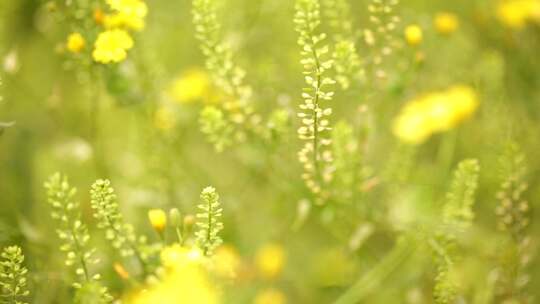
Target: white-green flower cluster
(218, 130)
(457, 216)
(381, 36)
(71, 230)
(238, 114)
(346, 59)
(74, 234)
(107, 212)
(13, 281)
(316, 154)
(513, 210)
(208, 221)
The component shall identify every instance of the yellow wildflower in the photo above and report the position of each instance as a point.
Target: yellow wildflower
(270, 296)
(226, 261)
(75, 42)
(121, 271)
(158, 219)
(516, 13)
(413, 35)
(434, 112)
(99, 16)
(127, 13)
(192, 85)
(185, 280)
(446, 23)
(112, 46)
(270, 260)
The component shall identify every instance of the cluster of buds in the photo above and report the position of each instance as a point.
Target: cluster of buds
(316, 154)
(513, 210)
(382, 34)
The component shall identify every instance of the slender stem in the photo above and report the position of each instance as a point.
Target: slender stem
(371, 280)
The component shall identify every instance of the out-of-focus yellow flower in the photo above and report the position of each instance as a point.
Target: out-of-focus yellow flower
(435, 112)
(127, 14)
(158, 219)
(270, 260)
(192, 85)
(413, 35)
(112, 46)
(446, 23)
(121, 271)
(164, 119)
(516, 13)
(226, 261)
(270, 296)
(99, 16)
(185, 280)
(75, 43)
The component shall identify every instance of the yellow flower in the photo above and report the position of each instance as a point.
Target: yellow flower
(184, 280)
(435, 112)
(516, 13)
(158, 219)
(192, 85)
(112, 46)
(99, 16)
(413, 35)
(164, 119)
(121, 271)
(270, 296)
(226, 261)
(270, 260)
(127, 13)
(75, 42)
(446, 23)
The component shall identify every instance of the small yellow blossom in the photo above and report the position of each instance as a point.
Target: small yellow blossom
(270, 296)
(413, 35)
(128, 14)
(75, 43)
(446, 23)
(192, 85)
(112, 46)
(435, 112)
(184, 280)
(516, 13)
(270, 260)
(99, 16)
(121, 271)
(158, 219)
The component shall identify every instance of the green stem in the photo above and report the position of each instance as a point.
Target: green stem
(371, 280)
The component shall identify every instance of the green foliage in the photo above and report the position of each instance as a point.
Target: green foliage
(315, 156)
(117, 231)
(73, 233)
(208, 221)
(13, 276)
